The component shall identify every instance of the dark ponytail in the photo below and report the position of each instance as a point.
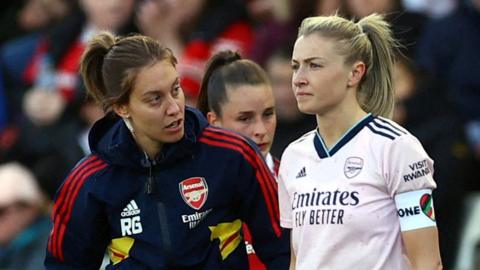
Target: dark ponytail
(226, 69)
(92, 63)
(216, 62)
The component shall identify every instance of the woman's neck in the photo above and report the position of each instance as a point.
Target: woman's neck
(333, 125)
(149, 147)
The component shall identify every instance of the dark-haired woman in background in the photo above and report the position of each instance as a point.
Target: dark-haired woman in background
(236, 94)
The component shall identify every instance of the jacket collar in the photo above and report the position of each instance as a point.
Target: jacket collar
(111, 140)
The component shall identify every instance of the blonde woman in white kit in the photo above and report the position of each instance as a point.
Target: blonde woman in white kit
(356, 191)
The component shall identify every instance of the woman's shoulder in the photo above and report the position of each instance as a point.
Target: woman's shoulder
(392, 137)
(91, 166)
(224, 138)
(303, 140)
(93, 162)
(386, 129)
(300, 147)
(227, 147)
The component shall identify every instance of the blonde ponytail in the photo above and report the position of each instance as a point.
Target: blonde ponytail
(376, 92)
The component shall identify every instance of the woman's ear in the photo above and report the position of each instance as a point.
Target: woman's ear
(213, 119)
(121, 110)
(356, 74)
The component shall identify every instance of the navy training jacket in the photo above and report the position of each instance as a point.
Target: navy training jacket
(183, 210)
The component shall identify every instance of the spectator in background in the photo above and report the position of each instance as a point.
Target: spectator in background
(89, 113)
(273, 26)
(406, 25)
(44, 92)
(41, 14)
(24, 221)
(21, 17)
(431, 8)
(195, 29)
(429, 117)
(448, 59)
(277, 21)
(449, 56)
(3, 106)
(291, 124)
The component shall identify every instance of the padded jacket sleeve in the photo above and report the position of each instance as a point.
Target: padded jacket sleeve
(78, 238)
(260, 210)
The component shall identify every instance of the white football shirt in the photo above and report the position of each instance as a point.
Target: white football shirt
(347, 205)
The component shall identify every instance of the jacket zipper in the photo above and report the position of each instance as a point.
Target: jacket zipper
(149, 184)
(161, 213)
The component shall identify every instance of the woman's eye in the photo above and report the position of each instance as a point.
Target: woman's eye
(268, 114)
(155, 100)
(244, 119)
(176, 90)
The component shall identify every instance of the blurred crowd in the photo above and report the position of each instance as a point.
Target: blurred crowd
(45, 115)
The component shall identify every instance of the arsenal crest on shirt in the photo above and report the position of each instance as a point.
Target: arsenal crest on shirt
(194, 191)
(352, 167)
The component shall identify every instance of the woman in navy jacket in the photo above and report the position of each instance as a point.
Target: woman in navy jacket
(162, 189)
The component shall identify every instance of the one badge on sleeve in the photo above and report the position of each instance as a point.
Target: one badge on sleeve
(415, 209)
